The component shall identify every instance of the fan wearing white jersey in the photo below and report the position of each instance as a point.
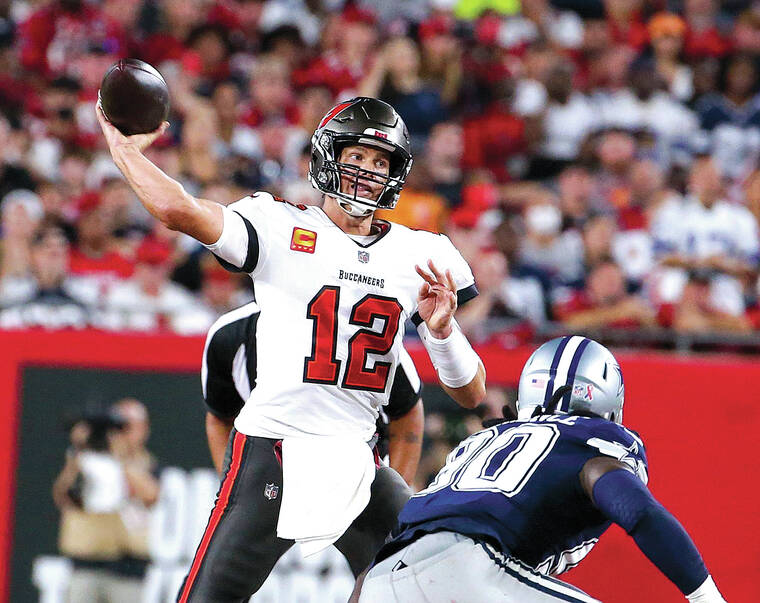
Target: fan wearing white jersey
(707, 237)
(334, 287)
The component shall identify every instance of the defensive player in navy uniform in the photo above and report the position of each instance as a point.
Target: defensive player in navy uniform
(525, 500)
(228, 375)
(335, 287)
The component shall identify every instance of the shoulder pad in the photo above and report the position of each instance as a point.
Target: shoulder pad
(622, 444)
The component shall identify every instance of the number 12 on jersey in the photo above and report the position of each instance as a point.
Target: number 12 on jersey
(324, 367)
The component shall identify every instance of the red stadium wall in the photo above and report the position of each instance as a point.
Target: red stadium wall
(698, 416)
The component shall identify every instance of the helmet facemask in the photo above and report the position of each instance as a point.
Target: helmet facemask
(328, 177)
(366, 122)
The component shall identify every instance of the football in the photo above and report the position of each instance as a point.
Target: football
(134, 97)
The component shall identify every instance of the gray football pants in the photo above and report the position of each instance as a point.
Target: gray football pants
(450, 567)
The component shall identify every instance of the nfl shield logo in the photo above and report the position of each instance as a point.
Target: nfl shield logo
(363, 256)
(271, 491)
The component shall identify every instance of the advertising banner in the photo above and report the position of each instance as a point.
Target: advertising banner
(698, 416)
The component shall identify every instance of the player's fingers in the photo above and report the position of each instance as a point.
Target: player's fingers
(158, 132)
(101, 118)
(425, 276)
(109, 130)
(435, 271)
(424, 291)
(450, 281)
(443, 293)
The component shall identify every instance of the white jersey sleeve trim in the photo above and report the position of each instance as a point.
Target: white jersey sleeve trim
(232, 245)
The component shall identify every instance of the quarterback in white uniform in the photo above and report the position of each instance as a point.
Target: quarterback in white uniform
(335, 287)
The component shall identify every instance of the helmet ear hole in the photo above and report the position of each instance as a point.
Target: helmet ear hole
(604, 372)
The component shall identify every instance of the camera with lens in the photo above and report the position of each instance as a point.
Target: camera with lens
(100, 486)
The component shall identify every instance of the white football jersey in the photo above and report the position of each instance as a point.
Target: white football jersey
(699, 232)
(332, 316)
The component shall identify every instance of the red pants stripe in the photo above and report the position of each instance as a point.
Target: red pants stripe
(219, 508)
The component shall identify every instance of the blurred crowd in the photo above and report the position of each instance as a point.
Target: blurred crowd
(595, 161)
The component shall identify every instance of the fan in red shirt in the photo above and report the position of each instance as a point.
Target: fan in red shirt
(57, 34)
(625, 24)
(495, 136)
(604, 303)
(342, 67)
(94, 254)
(272, 97)
(703, 38)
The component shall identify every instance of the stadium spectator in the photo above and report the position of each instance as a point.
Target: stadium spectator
(746, 34)
(603, 303)
(395, 77)
(419, 206)
(200, 157)
(313, 102)
(168, 25)
(69, 170)
(704, 38)
(221, 290)
(496, 139)
(140, 471)
(704, 232)
(502, 297)
(94, 253)
(150, 301)
(20, 214)
(443, 156)
(59, 34)
(236, 138)
(45, 295)
(625, 24)
(102, 492)
(694, 311)
(666, 34)
(563, 29)
(348, 40)
(615, 151)
(644, 106)
(441, 55)
(299, 189)
(604, 105)
(14, 172)
(271, 95)
(732, 117)
(598, 233)
(553, 256)
(210, 47)
(574, 186)
(737, 104)
(568, 119)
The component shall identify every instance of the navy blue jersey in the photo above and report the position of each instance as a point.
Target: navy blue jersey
(517, 486)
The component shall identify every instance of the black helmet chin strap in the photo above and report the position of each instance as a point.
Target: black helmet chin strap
(554, 400)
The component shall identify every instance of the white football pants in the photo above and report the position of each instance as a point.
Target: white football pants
(451, 568)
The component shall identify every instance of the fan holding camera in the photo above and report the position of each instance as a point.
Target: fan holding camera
(104, 491)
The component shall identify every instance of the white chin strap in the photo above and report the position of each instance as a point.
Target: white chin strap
(354, 209)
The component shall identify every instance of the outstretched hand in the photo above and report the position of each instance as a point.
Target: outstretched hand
(118, 141)
(437, 300)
